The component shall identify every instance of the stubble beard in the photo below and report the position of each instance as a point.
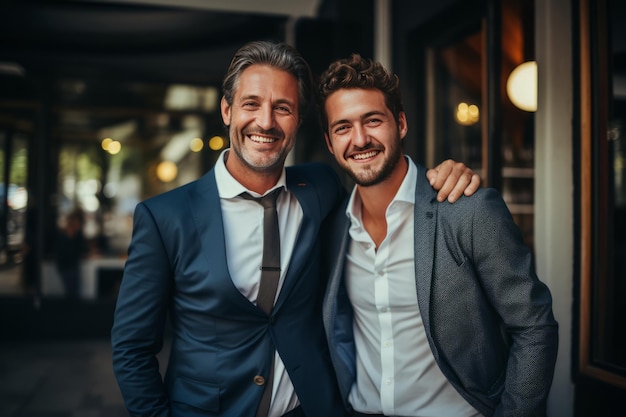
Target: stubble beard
(368, 176)
(255, 160)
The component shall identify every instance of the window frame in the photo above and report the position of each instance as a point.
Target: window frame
(593, 185)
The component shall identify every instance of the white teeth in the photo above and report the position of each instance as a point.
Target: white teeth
(261, 139)
(365, 155)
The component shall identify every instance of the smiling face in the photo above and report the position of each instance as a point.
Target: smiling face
(363, 135)
(262, 120)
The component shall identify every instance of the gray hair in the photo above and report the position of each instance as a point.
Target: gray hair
(276, 55)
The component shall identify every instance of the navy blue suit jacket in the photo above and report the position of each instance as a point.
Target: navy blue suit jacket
(487, 316)
(220, 340)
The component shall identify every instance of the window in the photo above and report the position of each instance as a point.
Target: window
(602, 184)
(95, 147)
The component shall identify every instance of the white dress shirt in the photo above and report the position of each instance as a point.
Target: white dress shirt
(396, 371)
(243, 231)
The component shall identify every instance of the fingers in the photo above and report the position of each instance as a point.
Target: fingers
(438, 175)
(452, 180)
(473, 186)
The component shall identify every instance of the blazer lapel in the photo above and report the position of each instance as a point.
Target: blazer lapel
(335, 252)
(337, 313)
(207, 215)
(425, 221)
(307, 235)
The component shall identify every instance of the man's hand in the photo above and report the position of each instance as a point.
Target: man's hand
(452, 179)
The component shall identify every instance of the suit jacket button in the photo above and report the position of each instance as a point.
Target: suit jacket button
(259, 380)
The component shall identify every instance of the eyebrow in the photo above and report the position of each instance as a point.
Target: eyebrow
(279, 101)
(286, 101)
(364, 116)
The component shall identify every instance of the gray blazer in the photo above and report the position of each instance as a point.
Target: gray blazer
(487, 316)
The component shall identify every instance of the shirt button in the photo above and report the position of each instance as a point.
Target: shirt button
(383, 310)
(387, 344)
(388, 382)
(259, 380)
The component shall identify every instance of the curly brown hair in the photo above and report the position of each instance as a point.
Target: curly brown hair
(358, 72)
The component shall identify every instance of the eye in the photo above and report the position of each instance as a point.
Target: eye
(373, 122)
(249, 105)
(283, 110)
(340, 129)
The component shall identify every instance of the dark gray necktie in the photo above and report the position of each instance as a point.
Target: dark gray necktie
(270, 274)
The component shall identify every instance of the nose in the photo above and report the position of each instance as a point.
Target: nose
(360, 137)
(265, 118)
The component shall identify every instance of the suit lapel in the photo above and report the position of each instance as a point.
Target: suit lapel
(307, 235)
(337, 313)
(336, 256)
(207, 215)
(425, 221)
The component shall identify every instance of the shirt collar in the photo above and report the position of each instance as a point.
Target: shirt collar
(406, 193)
(229, 187)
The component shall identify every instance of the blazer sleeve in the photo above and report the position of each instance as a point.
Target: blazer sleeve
(139, 319)
(506, 270)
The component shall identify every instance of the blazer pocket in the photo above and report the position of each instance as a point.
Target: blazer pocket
(197, 394)
(453, 248)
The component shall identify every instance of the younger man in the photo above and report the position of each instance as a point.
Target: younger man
(435, 310)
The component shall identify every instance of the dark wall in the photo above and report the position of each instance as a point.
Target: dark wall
(342, 28)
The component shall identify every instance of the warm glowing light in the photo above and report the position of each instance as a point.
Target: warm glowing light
(216, 143)
(467, 114)
(196, 145)
(521, 86)
(105, 143)
(166, 171)
(114, 147)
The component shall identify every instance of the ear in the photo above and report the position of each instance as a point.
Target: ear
(225, 108)
(403, 127)
(329, 144)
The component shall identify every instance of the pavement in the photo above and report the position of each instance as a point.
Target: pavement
(58, 378)
(55, 354)
(55, 359)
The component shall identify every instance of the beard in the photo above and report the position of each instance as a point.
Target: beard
(255, 160)
(370, 175)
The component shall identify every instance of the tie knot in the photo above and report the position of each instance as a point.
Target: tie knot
(267, 201)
